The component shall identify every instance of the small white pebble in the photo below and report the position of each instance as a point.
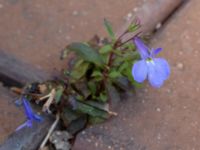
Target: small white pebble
(83, 132)
(128, 17)
(72, 26)
(67, 37)
(158, 109)
(96, 144)
(135, 9)
(75, 13)
(179, 65)
(180, 53)
(89, 140)
(197, 89)
(159, 136)
(158, 25)
(169, 90)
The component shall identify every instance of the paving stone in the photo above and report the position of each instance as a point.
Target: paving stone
(10, 116)
(36, 31)
(176, 125)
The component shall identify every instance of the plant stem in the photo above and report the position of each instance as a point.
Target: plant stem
(129, 39)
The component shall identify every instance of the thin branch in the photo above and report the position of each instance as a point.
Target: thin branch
(52, 128)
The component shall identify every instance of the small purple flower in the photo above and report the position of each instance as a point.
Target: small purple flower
(157, 70)
(31, 116)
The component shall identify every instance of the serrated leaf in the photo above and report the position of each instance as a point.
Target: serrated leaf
(109, 29)
(105, 49)
(86, 53)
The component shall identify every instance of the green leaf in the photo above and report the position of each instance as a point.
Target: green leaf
(103, 97)
(105, 58)
(105, 49)
(96, 120)
(133, 27)
(123, 66)
(86, 53)
(59, 92)
(91, 110)
(99, 105)
(79, 71)
(78, 63)
(114, 95)
(114, 74)
(68, 116)
(109, 29)
(121, 83)
(64, 53)
(98, 76)
(131, 56)
(92, 87)
(96, 73)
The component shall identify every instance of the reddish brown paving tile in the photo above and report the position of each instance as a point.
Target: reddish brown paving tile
(166, 118)
(36, 31)
(10, 115)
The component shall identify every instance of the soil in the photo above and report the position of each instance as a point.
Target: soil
(152, 119)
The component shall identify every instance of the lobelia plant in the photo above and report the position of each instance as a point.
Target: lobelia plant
(97, 71)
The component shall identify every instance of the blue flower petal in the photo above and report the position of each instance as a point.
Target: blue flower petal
(142, 48)
(139, 71)
(28, 123)
(154, 76)
(162, 67)
(27, 108)
(154, 52)
(31, 116)
(37, 117)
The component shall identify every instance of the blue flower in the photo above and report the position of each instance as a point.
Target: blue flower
(29, 114)
(157, 70)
